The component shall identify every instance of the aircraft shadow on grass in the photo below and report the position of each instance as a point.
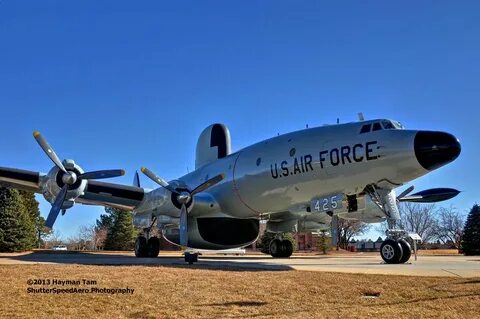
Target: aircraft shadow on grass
(119, 259)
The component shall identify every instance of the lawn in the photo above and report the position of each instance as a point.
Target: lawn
(184, 292)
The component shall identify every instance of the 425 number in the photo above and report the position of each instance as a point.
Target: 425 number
(328, 203)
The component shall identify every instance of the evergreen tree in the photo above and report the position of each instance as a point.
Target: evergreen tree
(41, 231)
(471, 233)
(106, 220)
(121, 232)
(17, 229)
(30, 205)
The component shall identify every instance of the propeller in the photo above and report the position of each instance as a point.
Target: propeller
(183, 197)
(405, 192)
(69, 178)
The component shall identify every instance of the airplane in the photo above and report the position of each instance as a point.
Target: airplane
(300, 181)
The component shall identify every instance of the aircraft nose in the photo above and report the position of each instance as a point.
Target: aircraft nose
(435, 149)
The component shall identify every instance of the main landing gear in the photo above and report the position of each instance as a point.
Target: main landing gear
(281, 248)
(395, 250)
(146, 246)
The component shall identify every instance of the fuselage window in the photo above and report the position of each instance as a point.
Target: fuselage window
(376, 127)
(365, 128)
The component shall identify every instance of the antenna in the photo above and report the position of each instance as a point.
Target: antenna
(360, 117)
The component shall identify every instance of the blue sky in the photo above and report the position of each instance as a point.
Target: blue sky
(122, 84)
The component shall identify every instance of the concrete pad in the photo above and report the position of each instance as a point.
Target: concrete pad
(445, 266)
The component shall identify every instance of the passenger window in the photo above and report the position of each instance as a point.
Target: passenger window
(376, 127)
(365, 128)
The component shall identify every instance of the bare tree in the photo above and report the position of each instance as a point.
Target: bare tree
(100, 237)
(53, 239)
(449, 226)
(419, 218)
(349, 228)
(87, 236)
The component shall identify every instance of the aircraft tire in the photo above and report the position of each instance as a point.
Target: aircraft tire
(287, 248)
(153, 247)
(276, 248)
(141, 248)
(391, 251)
(406, 249)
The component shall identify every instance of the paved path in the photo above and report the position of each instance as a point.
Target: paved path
(454, 266)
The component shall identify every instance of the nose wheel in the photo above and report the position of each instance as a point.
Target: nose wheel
(395, 251)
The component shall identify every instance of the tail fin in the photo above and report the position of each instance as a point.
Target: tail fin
(136, 179)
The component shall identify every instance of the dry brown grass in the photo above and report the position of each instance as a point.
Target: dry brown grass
(438, 252)
(183, 292)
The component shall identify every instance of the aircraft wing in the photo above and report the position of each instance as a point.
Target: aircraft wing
(96, 192)
(20, 179)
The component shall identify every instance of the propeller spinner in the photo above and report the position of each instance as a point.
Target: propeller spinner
(69, 178)
(183, 197)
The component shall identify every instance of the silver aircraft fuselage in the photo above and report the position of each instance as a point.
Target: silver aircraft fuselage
(288, 171)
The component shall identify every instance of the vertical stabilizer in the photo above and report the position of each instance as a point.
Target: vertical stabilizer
(214, 143)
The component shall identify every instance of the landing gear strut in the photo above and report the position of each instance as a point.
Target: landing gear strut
(281, 248)
(147, 246)
(395, 249)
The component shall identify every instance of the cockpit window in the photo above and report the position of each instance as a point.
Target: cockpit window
(376, 127)
(365, 128)
(398, 125)
(387, 125)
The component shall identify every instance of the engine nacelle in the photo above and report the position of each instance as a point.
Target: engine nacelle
(216, 232)
(54, 184)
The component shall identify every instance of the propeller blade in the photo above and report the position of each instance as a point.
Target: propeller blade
(157, 179)
(405, 192)
(48, 150)
(57, 205)
(102, 174)
(183, 226)
(136, 180)
(212, 181)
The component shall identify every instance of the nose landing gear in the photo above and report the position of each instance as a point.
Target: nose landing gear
(396, 249)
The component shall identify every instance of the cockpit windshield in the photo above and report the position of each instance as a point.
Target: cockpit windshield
(392, 125)
(385, 125)
(398, 125)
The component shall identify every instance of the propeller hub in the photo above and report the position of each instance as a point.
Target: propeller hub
(184, 197)
(69, 178)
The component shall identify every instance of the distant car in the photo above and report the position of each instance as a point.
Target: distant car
(59, 247)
